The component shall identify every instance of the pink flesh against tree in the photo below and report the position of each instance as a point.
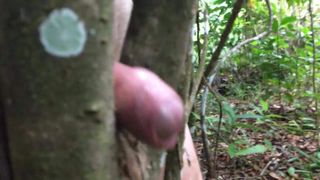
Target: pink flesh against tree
(146, 106)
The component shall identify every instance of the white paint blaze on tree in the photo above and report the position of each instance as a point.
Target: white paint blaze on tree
(63, 111)
(56, 89)
(63, 34)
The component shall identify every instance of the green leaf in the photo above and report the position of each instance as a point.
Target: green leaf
(288, 20)
(274, 116)
(268, 144)
(264, 105)
(252, 150)
(219, 1)
(195, 115)
(248, 126)
(292, 171)
(249, 116)
(232, 150)
(211, 120)
(275, 25)
(230, 112)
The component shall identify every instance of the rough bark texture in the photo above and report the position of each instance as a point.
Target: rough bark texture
(158, 39)
(5, 168)
(58, 112)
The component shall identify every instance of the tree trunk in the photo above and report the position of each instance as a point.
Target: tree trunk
(56, 107)
(159, 39)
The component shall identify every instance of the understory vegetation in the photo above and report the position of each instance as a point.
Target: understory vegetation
(257, 116)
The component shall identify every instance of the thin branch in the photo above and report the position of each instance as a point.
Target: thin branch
(257, 37)
(217, 140)
(314, 67)
(211, 69)
(198, 34)
(215, 56)
(266, 167)
(205, 141)
(247, 41)
(196, 82)
(212, 172)
(223, 38)
(214, 59)
(202, 58)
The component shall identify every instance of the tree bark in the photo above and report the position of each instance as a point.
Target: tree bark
(159, 39)
(58, 111)
(56, 114)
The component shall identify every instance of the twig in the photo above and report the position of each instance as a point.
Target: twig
(201, 57)
(314, 69)
(204, 132)
(198, 34)
(278, 71)
(266, 167)
(257, 37)
(215, 56)
(205, 141)
(247, 41)
(223, 38)
(211, 172)
(208, 71)
(217, 140)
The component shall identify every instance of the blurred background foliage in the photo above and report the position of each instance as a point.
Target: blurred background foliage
(269, 126)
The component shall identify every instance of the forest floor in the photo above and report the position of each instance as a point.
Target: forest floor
(294, 152)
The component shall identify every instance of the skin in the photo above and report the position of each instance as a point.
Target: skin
(145, 105)
(153, 110)
(191, 168)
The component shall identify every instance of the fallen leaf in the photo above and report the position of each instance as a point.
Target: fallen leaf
(275, 176)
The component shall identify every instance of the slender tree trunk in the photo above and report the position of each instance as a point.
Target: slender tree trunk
(57, 109)
(159, 39)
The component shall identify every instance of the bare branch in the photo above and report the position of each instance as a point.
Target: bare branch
(202, 58)
(257, 37)
(215, 56)
(314, 87)
(245, 42)
(214, 59)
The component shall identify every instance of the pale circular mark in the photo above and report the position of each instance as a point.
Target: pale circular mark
(63, 34)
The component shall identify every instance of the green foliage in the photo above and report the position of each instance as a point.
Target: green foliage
(271, 77)
(292, 171)
(264, 105)
(231, 114)
(234, 152)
